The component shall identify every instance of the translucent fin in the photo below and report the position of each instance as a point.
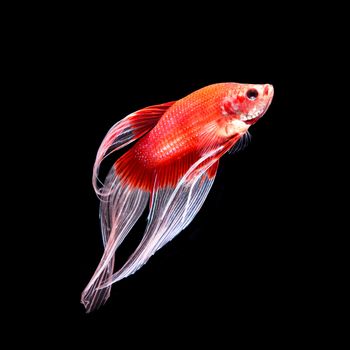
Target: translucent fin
(119, 211)
(241, 144)
(129, 129)
(177, 191)
(172, 209)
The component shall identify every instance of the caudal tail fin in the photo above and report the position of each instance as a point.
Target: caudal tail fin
(120, 208)
(121, 204)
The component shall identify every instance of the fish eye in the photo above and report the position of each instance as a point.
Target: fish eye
(252, 94)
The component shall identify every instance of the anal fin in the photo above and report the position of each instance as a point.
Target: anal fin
(173, 208)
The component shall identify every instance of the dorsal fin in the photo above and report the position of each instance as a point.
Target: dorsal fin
(127, 130)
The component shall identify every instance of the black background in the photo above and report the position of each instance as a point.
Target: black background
(244, 262)
(237, 253)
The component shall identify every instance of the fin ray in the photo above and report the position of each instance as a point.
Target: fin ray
(119, 211)
(126, 131)
(172, 210)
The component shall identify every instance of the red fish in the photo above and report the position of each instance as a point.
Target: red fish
(171, 167)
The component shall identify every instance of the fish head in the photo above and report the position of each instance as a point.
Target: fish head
(242, 106)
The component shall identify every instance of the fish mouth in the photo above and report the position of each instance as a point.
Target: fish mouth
(252, 121)
(253, 118)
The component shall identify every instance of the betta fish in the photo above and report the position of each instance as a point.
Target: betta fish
(171, 168)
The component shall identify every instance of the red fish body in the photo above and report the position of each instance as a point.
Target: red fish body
(172, 166)
(179, 131)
